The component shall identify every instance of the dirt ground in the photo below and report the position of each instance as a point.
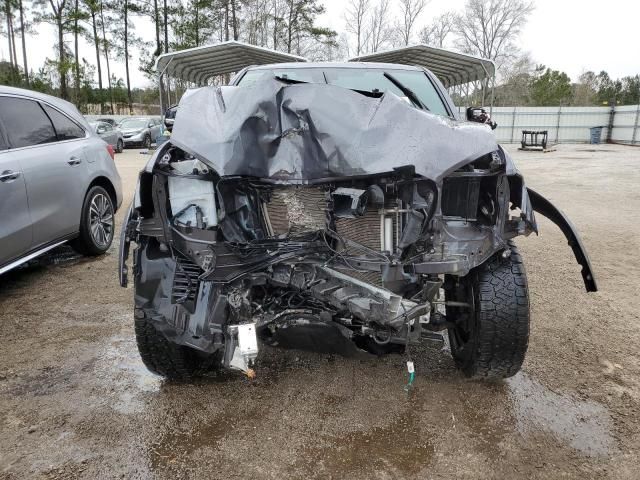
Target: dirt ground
(77, 402)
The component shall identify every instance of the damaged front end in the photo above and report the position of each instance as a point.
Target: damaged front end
(336, 261)
(338, 266)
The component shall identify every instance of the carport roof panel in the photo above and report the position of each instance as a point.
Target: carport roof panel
(452, 68)
(201, 63)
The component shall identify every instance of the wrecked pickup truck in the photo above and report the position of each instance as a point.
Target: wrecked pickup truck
(343, 208)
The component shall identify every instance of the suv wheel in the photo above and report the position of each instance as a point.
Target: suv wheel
(119, 146)
(97, 223)
(490, 338)
(165, 358)
(146, 143)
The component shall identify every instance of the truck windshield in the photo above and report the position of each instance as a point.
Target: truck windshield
(369, 79)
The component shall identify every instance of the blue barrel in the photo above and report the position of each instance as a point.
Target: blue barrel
(596, 135)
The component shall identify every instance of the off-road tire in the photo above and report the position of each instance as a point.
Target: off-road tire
(165, 358)
(120, 146)
(146, 143)
(85, 243)
(498, 325)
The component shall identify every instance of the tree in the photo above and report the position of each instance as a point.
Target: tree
(551, 87)
(630, 91)
(59, 14)
(489, 28)
(106, 46)
(77, 16)
(584, 92)
(515, 89)
(436, 32)
(299, 26)
(11, 40)
(23, 32)
(93, 11)
(410, 10)
(379, 26)
(355, 17)
(123, 37)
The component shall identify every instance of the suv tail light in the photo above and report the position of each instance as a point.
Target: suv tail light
(112, 152)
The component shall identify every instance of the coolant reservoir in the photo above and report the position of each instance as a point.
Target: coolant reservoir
(190, 191)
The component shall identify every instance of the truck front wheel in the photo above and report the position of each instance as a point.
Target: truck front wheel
(491, 334)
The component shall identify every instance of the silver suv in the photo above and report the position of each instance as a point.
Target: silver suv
(58, 180)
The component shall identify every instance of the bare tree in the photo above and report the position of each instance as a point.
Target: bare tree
(355, 17)
(489, 28)
(411, 10)
(379, 26)
(436, 32)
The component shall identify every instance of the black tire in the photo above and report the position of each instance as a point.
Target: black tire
(490, 339)
(119, 146)
(90, 242)
(165, 358)
(146, 143)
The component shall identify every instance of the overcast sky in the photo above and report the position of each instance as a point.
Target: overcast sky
(568, 35)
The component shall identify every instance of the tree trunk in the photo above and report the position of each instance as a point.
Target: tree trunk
(13, 41)
(156, 20)
(197, 23)
(233, 19)
(275, 24)
(226, 20)
(166, 28)
(96, 42)
(126, 53)
(105, 47)
(61, 60)
(7, 8)
(76, 60)
(24, 43)
(290, 27)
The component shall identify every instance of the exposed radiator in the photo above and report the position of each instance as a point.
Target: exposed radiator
(298, 210)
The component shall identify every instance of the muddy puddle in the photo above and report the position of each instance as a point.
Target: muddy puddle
(120, 369)
(583, 425)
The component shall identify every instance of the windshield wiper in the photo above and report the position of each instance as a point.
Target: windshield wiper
(288, 80)
(406, 90)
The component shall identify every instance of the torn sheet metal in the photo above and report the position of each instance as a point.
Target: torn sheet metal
(307, 132)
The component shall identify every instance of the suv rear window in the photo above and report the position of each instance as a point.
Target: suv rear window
(25, 122)
(66, 128)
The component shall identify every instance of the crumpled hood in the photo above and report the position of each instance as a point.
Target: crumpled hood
(303, 132)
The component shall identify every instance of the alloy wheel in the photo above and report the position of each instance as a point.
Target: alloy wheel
(101, 220)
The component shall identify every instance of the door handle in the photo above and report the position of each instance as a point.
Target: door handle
(8, 176)
(74, 161)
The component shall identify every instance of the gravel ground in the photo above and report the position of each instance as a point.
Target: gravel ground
(76, 401)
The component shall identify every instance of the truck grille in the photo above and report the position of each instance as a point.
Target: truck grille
(185, 280)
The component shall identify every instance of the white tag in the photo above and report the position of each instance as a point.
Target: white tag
(247, 340)
(410, 367)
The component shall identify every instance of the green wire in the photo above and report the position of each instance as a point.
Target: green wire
(412, 377)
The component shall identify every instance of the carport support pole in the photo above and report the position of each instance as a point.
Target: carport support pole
(612, 115)
(558, 124)
(635, 126)
(513, 123)
(161, 87)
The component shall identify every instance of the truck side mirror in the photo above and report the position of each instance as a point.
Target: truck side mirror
(480, 115)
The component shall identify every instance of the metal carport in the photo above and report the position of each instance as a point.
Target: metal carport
(452, 68)
(198, 65)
